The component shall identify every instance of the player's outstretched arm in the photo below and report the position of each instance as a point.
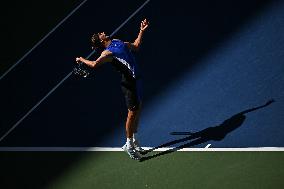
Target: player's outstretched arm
(106, 56)
(137, 43)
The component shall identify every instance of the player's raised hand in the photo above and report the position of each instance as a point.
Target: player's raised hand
(144, 25)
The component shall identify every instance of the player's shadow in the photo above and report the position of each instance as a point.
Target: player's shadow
(216, 133)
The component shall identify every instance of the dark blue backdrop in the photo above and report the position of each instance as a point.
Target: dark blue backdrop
(203, 62)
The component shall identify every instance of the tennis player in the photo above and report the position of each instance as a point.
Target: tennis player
(120, 55)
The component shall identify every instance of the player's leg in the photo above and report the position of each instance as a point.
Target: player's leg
(138, 95)
(135, 130)
(133, 104)
(129, 127)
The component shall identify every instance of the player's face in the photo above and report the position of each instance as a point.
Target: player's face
(103, 36)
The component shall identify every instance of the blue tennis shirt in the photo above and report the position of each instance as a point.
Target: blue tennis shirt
(124, 61)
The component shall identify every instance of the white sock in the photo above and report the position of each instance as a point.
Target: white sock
(129, 142)
(135, 137)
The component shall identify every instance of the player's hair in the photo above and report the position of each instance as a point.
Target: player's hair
(96, 42)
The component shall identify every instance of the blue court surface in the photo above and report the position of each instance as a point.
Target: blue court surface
(213, 71)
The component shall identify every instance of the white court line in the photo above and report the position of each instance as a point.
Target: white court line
(117, 149)
(35, 106)
(65, 78)
(38, 43)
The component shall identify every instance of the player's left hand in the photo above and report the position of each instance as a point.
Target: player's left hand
(144, 25)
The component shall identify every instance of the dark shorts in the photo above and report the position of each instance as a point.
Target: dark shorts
(132, 91)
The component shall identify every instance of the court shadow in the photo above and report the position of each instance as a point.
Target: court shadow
(215, 133)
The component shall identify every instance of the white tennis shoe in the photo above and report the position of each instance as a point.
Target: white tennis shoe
(130, 150)
(137, 147)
